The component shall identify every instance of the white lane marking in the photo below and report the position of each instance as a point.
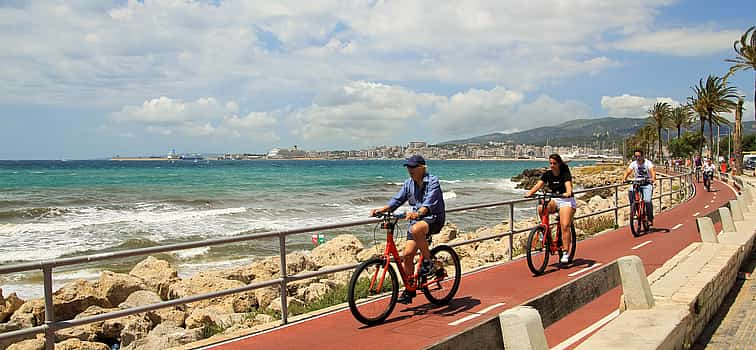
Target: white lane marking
(579, 335)
(706, 206)
(640, 245)
(712, 201)
(477, 314)
(696, 214)
(677, 226)
(583, 270)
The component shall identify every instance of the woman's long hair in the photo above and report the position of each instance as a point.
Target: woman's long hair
(562, 165)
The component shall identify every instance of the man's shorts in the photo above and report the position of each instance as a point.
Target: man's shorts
(435, 224)
(565, 202)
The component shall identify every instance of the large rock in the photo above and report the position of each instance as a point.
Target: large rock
(202, 283)
(30, 314)
(29, 344)
(165, 337)
(77, 296)
(8, 305)
(172, 314)
(116, 287)
(9, 327)
(157, 274)
(87, 332)
(313, 292)
(76, 344)
(341, 250)
(129, 328)
(528, 177)
(448, 232)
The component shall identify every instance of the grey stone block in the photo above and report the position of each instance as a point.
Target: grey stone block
(521, 329)
(728, 225)
(737, 213)
(635, 285)
(706, 230)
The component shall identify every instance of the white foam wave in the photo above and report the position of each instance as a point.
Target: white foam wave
(509, 186)
(395, 183)
(87, 217)
(190, 253)
(330, 205)
(450, 195)
(450, 181)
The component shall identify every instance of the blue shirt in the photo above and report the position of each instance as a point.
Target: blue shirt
(430, 197)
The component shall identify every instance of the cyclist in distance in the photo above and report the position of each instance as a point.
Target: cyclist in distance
(559, 181)
(709, 169)
(644, 171)
(423, 191)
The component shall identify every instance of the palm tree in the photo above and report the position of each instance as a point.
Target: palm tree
(681, 117)
(697, 105)
(712, 98)
(737, 135)
(715, 120)
(659, 118)
(746, 51)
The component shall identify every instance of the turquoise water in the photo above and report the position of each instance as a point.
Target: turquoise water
(53, 209)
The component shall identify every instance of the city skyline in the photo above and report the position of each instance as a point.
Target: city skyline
(132, 77)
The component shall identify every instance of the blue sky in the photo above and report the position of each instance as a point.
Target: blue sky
(89, 79)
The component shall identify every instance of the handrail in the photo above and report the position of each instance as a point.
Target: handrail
(46, 266)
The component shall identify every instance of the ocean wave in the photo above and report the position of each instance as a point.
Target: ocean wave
(87, 217)
(33, 213)
(508, 185)
(191, 253)
(450, 181)
(330, 205)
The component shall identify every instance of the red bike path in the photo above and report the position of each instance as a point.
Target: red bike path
(486, 293)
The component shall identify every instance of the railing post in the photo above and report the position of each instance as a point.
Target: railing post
(511, 230)
(49, 308)
(284, 297)
(661, 190)
(671, 190)
(616, 207)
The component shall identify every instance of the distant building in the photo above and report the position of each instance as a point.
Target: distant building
(278, 153)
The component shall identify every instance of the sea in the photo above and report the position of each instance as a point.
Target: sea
(57, 209)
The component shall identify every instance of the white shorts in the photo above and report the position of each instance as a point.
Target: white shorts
(565, 202)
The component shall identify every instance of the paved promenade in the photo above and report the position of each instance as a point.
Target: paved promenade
(734, 325)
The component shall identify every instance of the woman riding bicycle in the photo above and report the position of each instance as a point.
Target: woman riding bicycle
(708, 171)
(423, 191)
(644, 171)
(559, 181)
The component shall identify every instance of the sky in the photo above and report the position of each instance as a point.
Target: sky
(94, 79)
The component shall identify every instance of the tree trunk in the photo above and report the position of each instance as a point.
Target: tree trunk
(661, 155)
(678, 131)
(701, 142)
(711, 135)
(737, 135)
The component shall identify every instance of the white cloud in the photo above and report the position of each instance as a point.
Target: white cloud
(476, 110)
(632, 106)
(681, 42)
(362, 112)
(202, 117)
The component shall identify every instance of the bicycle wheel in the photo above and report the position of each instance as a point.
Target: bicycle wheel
(449, 274)
(573, 244)
(537, 250)
(707, 184)
(635, 219)
(371, 283)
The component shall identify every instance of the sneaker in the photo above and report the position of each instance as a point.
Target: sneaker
(406, 297)
(565, 258)
(428, 269)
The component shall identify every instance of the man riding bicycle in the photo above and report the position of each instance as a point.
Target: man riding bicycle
(708, 170)
(645, 172)
(423, 191)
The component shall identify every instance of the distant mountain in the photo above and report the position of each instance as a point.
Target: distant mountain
(580, 131)
(573, 132)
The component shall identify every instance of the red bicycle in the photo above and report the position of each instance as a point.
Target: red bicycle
(541, 243)
(638, 220)
(374, 288)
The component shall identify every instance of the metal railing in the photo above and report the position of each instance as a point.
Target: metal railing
(685, 189)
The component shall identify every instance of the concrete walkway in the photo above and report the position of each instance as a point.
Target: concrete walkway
(734, 325)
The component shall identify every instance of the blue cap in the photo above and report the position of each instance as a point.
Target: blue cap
(414, 161)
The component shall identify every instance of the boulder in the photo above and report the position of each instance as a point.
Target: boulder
(313, 292)
(266, 295)
(341, 250)
(29, 344)
(30, 314)
(116, 287)
(8, 305)
(157, 274)
(448, 232)
(9, 327)
(528, 177)
(77, 296)
(129, 328)
(76, 344)
(202, 283)
(173, 314)
(165, 337)
(87, 332)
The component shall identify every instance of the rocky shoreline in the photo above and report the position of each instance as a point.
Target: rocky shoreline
(153, 280)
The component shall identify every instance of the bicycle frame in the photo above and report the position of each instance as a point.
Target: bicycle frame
(554, 244)
(391, 252)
